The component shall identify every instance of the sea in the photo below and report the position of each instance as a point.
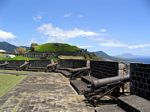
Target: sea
(143, 60)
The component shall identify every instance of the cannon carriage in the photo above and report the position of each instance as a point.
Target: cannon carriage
(107, 86)
(73, 68)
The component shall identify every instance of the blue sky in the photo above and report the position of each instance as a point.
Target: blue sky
(114, 26)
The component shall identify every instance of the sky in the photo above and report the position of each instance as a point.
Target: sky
(113, 26)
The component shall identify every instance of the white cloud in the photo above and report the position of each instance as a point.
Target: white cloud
(37, 17)
(122, 45)
(139, 46)
(57, 34)
(103, 30)
(113, 43)
(85, 46)
(80, 16)
(67, 15)
(6, 35)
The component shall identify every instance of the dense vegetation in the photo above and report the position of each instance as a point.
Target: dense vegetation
(56, 47)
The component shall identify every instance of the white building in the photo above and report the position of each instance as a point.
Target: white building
(2, 51)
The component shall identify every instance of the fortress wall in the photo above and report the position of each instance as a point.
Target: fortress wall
(71, 63)
(104, 69)
(140, 80)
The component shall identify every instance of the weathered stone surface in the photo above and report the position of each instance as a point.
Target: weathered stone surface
(43, 92)
(109, 108)
(134, 103)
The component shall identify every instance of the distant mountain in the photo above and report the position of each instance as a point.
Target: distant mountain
(130, 56)
(107, 57)
(134, 58)
(103, 55)
(9, 47)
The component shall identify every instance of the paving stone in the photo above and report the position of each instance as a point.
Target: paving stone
(79, 86)
(134, 103)
(109, 108)
(43, 92)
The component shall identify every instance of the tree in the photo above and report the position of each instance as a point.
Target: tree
(32, 47)
(21, 50)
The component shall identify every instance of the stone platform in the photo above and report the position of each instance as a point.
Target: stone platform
(43, 92)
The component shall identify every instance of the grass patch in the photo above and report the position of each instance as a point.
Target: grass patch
(71, 57)
(22, 58)
(56, 47)
(7, 82)
(17, 58)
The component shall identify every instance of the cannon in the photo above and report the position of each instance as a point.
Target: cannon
(102, 82)
(3, 65)
(107, 86)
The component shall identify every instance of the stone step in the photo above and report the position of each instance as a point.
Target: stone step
(134, 103)
(79, 86)
(88, 79)
(109, 108)
(64, 72)
(10, 68)
(35, 70)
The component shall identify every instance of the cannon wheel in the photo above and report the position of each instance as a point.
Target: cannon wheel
(94, 100)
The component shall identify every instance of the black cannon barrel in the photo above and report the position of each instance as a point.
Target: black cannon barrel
(102, 82)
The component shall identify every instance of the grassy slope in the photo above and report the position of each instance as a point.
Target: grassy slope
(56, 47)
(9, 81)
(21, 58)
(17, 58)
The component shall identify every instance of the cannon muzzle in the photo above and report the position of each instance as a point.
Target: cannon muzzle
(103, 82)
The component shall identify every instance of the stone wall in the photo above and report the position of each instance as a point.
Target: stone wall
(15, 63)
(71, 63)
(39, 63)
(36, 55)
(77, 53)
(140, 80)
(2, 62)
(105, 69)
(48, 54)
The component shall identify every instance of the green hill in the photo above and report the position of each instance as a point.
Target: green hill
(7, 46)
(56, 47)
(10, 47)
(104, 56)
